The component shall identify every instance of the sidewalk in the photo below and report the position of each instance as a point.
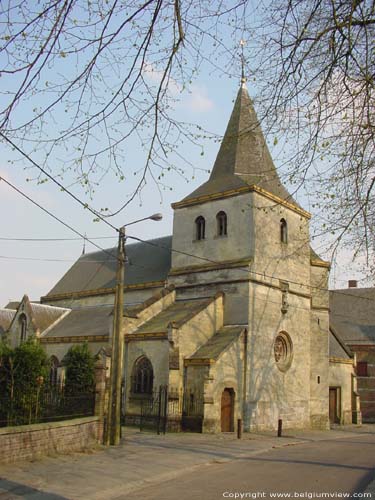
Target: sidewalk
(141, 460)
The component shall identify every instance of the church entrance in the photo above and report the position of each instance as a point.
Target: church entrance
(334, 402)
(227, 410)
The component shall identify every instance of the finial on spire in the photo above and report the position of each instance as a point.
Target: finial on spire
(84, 245)
(243, 78)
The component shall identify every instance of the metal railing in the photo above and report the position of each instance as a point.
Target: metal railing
(44, 404)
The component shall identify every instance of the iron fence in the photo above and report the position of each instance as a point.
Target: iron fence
(44, 404)
(169, 409)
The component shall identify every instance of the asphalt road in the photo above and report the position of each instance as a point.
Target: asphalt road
(307, 469)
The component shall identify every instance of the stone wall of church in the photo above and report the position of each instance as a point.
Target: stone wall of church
(195, 332)
(237, 245)
(13, 336)
(279, 320)
(319, 348)
(226, 373)
(277, 385)
(233, 282)
(273, 258)
(158, 354)
(60, 349)
(340, 376)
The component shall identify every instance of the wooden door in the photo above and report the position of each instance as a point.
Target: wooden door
(333, 418)
(227, 401)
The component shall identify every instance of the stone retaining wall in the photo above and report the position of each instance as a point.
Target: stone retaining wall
(27, 442)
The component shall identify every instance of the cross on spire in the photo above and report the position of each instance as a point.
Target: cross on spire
(243, 78)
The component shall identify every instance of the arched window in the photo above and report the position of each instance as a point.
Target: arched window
(221, 220)
(200, 228)
(23, 327)
(143, 376)
(283, 231)
(54, 365)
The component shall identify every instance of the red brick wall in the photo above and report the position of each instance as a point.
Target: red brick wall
(27, 442)
(366, 385)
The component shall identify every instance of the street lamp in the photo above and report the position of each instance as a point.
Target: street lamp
(112, 432)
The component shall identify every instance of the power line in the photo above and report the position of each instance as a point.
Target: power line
(263, 275)
(86, 206)
(54, 216)
(58, 239)
(45, 259)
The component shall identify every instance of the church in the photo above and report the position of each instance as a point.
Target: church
(233, 306)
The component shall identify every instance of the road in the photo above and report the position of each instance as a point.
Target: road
(201, 466)
(329, 466)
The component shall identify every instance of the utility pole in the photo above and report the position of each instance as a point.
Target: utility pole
(113, 429)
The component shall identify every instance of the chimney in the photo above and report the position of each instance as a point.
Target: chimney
(352, 283)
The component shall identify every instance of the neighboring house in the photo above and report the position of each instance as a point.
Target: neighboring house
(233, 306)
(353, 317)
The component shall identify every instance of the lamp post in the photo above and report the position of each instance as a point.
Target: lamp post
(112, 435)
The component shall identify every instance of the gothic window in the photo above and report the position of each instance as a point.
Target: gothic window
(23, 327)
(283, 231)
(221, 219)
(143, 376)
(200, 228)
(53, 370)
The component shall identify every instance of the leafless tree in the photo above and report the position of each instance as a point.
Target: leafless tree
(84, 80)
(317, 67)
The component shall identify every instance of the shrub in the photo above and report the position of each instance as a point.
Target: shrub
(79, 371)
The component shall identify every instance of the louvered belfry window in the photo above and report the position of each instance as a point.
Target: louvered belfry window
(222, 222)
(200, 228)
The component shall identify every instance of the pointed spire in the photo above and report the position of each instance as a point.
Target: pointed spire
(243, 158)
(244, 151)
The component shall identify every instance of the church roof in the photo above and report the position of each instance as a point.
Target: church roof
(45, 315)
(85, 321)
(243, 158)
(218, 343)
(352, 314)
(6, 318)
(337, 348)
(146, 262)
(177, 314)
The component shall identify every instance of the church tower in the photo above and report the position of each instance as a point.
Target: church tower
(243, 234)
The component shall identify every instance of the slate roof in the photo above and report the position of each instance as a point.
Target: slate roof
(93, 321)
(243, 158)
(146, 262)
(12, 305)
(45, 315)
(336, 347)
(6, 318)
(352, 314)
(315, 256)
(178, 313)
(218, 343)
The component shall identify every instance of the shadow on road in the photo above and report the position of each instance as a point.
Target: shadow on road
(22, 491)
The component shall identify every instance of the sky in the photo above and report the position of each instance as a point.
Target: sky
(34, 267)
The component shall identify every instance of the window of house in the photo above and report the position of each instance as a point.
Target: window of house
(362, 369)
(200, 228)
(283, 231)
(23, 327)
(221, 219)
(143, 376)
